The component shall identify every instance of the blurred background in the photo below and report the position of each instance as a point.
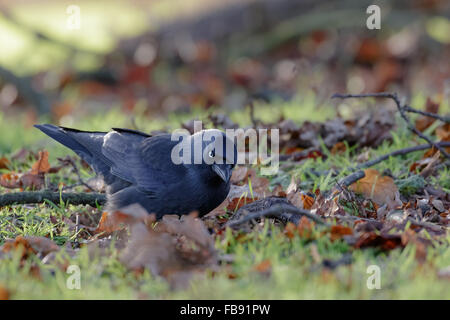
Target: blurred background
(156, 65)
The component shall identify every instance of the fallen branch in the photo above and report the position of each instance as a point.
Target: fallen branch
(401, 110)
(399, 153)
(427, 114)
(373, 162)
(276, 211)
(352, 178)
(91, 199)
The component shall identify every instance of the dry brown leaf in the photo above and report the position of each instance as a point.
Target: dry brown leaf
(34, 179)
(4, 163)
(237, 203)
(118, 220)
(25, 181)
(411, 237)
(429, 169)
(443, 133)
(10, 180)
(296, 199)
(308, 201)
(41, 165)
(264, 266)
(303, 229)
(4, 293)
(337, 232)
(189, 226)
(338, 148)
(327, 206)
(175, 248)
(300, 200)
(423, 122)
(293, 186)
(384, 241)
(260, 185)
(239, 175)
(381, 189)
(30, 245)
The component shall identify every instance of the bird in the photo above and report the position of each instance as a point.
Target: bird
(140, 168)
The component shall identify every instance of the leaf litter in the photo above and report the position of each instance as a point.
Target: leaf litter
(377, 211)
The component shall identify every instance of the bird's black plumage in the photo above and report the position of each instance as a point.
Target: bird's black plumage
(138, 168)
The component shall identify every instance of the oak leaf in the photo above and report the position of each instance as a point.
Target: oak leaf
(381, 189)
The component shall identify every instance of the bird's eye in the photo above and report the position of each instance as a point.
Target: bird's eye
(211, 154)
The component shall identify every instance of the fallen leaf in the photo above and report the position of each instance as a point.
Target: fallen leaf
(32, 181)
(338, 231)
(30, 245)
(41, 165)
(438, 205)
(424, 122)
(237, 203)
(260, 185)
(381, 189)
(264, 266)
(10, 180)
(339, 148)
(4, 293)
(303, 229)
(300, 200)
(411, 237)
(329, 206)
(118, 220)
(443, 134)
(239, 175)
(429, 169)
(175, 248)
(384, 241)
(4, 163)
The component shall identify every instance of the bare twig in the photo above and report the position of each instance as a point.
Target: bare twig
(401, 110)
(445, 119)
(77, 172)
(91, 199)
(276, 211)
(373, 162)
(425, 224)
(64, 188)
(348, 180)
(399, 153)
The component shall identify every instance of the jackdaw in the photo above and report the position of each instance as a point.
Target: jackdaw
(163, 174)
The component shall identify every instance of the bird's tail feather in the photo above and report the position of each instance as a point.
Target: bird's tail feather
(85, 144)
(61, 136)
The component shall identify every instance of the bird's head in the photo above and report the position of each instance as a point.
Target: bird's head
(218, 152)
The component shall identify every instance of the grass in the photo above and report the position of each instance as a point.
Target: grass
(293, 275)
(293, 272)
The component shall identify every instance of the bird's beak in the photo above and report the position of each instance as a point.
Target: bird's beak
(223, 172)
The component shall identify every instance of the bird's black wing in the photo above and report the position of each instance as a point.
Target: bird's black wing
(145, 162)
